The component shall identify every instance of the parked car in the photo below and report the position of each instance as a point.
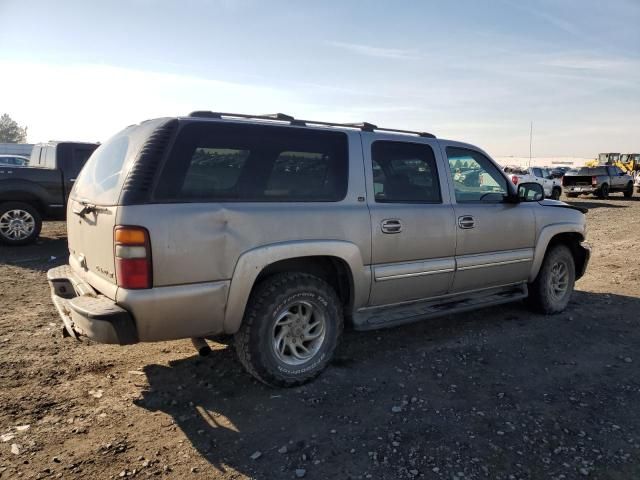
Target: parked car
(13, 160)
(552, 186)
(600, 181)
(29, 194)
(558, 172)
(279, 230)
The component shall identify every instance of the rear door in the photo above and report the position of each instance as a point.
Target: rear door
(540, 175)
(413, 230)
(494, 240)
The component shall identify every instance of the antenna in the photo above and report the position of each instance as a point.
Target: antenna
(530, 142)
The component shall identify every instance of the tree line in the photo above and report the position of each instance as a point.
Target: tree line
(10, 131)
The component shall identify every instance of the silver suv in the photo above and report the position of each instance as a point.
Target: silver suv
(279, 231)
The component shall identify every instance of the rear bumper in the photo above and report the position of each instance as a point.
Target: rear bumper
(85, 313)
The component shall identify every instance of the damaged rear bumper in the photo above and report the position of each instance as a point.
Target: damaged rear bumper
(86, 313)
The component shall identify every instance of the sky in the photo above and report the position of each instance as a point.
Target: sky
(473, 70)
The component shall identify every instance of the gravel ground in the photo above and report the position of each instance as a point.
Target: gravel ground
(501, 393)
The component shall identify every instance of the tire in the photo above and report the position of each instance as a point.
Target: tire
(289, 298)
(555, 193)
(20, 223)
(544, 294)
(628, 192)
(572, 195)
(603, 192)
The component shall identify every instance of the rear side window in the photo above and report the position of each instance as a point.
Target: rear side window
(404, 172)
(232, 162)
(101, 179)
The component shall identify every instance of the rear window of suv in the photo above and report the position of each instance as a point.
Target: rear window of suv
(232, 162)
(101, 178)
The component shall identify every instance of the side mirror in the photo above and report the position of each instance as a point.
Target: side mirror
(530, 192)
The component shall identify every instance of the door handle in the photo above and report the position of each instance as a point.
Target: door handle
(391, 225)
(466, 221)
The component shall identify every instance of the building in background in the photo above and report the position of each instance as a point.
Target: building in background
(23, 149)
(543, 161)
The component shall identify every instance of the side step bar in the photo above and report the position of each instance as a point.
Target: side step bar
(392, 315)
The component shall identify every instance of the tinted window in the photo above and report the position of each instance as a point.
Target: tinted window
(233, 162)
(404, 172)
(79, 156)
(100, 180)
(213, 172)
(537, 172)
(479, 180)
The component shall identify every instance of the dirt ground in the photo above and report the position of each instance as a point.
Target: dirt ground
(501, 393)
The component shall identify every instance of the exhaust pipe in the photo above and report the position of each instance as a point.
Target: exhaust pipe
(201, 345)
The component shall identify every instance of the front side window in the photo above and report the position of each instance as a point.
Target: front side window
(259, 163)
(538, 172)
(404, 172)
(475, 177)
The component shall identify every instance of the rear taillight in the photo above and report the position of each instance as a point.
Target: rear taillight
(594, 181)
(133, 257)
(515, 179)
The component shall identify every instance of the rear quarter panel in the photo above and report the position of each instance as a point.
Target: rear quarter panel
(202, 242)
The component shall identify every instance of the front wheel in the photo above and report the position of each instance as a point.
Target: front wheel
(628, 192)
(20, 223)
(291, 328)
(551, 290)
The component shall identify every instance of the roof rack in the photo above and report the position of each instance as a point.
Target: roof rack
(282, 117)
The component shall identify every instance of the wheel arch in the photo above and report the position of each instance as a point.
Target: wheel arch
(337, 262)
(571, 235)
(24, 196)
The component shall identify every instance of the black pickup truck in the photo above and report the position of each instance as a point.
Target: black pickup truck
(40, 191)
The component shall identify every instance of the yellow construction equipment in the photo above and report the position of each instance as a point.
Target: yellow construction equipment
(627, 162)
(630, 163)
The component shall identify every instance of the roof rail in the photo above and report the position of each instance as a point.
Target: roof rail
(282, 117)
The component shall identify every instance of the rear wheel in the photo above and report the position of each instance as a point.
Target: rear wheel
(551, 290)
(628, 192)
(290, 330)
(555, 193)
(604, 191)
(20, 223)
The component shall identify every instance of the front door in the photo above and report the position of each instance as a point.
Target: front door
(413, 229)
(494, 239)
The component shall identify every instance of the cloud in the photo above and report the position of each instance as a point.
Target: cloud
(588, 62)
(378, 52)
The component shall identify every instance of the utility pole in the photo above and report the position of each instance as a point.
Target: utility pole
(530, 142)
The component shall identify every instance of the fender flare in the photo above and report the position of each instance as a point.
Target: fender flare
(252, 262)
(546, 234)
(23, 187)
